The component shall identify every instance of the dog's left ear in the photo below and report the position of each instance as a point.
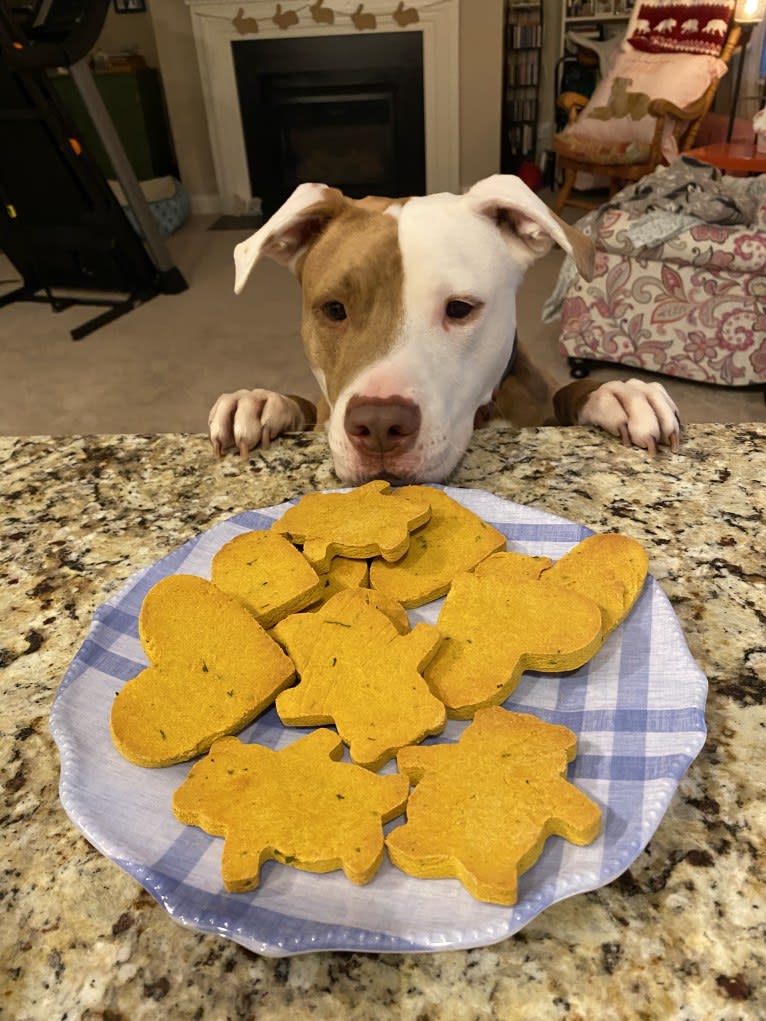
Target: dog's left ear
(516, 210)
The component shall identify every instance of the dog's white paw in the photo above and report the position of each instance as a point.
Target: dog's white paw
(641, 414)
(251, 418)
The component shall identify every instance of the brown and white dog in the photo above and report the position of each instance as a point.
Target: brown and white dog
(409, 324)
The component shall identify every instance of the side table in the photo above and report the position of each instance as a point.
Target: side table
(731, 157)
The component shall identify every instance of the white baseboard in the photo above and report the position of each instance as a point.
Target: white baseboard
(206, 205)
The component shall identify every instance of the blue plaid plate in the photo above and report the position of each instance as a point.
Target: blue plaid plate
(638, 709)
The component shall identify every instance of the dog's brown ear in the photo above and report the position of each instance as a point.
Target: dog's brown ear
(290, 231)
(518, 211)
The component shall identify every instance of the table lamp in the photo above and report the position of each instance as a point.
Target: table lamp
(747, 14)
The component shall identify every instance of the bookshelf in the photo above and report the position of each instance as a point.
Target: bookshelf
(521, 82)
(587, 10)
(601, 19)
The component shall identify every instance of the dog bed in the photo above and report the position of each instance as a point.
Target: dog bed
(168, 201)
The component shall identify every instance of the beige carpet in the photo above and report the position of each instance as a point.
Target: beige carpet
(159, 368)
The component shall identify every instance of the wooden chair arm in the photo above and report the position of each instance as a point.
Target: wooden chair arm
(662, 108)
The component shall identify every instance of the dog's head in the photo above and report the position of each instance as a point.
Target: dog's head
(409, 312)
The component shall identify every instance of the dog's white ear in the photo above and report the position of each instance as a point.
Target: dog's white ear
(290, 231)
(516, 209)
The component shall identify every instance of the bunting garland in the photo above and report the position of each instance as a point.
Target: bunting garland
(286, 18)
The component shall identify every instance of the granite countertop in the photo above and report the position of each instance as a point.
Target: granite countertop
(680, 935)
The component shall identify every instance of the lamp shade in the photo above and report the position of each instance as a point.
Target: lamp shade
(749, 12)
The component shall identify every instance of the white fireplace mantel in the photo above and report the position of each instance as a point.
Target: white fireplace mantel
(216, 25)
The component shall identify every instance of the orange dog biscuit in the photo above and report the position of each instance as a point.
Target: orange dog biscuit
(517, 613)
(298, 806)
(213, 670)
(343, 574)
(497, 627)
(358, 672)
(366, 522)
(267, 574)
(610, 568)
(454, 539)
(513, 567)
(483, 808)
(300, 630)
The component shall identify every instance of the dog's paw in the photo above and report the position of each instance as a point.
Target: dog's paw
(251, 418)
(641, 414)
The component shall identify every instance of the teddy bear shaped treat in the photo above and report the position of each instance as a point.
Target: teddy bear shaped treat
(358, 671)
(483, 807)
(371, 520)
(299, 806)
(454, 539)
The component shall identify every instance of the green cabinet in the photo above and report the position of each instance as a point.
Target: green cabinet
(136, 104)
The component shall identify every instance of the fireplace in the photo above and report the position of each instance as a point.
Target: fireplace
(383, 154)
(344, 110)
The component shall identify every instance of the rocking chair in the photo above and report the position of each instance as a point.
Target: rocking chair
(675, 125)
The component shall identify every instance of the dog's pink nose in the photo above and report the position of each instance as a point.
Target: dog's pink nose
(381, 425)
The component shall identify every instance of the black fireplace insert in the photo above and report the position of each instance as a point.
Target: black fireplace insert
(344, 110)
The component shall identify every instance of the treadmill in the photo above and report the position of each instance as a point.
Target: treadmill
(61, 225)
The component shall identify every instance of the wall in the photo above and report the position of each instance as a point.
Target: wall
(132, 33)
(749, 95)
(163, 37)
(553, 17)
(183, 94)
(481, 87)
(480, 71)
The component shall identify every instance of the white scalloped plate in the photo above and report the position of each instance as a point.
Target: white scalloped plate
(637, 709)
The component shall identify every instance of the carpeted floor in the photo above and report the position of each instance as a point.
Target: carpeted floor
(250, 223)
(159, 368)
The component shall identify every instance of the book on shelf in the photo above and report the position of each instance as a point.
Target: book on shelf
(523, 68)
(525, 35)
(521, 139)
(523, 110)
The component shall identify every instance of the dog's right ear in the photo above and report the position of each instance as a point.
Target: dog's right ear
(287, 234)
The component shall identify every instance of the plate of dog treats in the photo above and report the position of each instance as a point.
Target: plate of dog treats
(380, 719)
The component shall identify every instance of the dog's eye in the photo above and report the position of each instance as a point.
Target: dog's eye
(457, 309)
(334, 310)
